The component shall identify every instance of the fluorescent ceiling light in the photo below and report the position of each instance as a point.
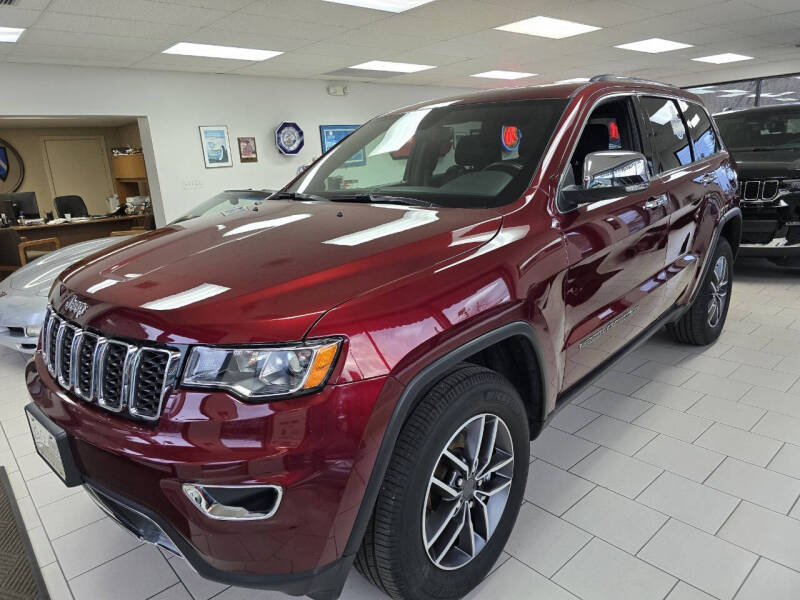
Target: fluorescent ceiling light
(504, 75)
(10, 34)
(212, 51)
(719, 59)
(397, 67)
(394, 6)
(575, 80)
(654, 46)
(548, 27)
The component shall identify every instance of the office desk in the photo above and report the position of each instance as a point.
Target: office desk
(80, 231)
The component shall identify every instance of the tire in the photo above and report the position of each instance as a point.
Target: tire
(394, 553)
(697, 326)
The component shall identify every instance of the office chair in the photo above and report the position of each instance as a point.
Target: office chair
(16, 251)
(72, 205)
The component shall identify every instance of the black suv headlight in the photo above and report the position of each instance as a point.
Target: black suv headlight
(262, 373)
(790, 185)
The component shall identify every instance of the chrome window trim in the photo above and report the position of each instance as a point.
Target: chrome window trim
(170, 372)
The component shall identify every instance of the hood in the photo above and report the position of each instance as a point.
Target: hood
(263, 277)
(37, 277)
(766, 164)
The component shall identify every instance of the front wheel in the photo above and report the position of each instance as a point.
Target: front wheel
(703, 322)
(452, 490)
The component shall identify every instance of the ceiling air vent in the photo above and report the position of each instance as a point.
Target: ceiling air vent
(9, 2)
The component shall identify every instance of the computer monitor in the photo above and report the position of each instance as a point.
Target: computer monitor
(7, 209)
(25, 204)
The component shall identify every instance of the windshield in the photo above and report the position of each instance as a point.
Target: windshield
(477, 155)
(227, 203)
(761, 131)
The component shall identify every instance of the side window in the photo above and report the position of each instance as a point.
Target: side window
(670, 144)
(702, 133)
(611, 126)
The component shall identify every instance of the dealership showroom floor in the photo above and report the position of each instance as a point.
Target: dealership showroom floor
(677, 475)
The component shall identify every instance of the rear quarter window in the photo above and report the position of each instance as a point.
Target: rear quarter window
(703, 135)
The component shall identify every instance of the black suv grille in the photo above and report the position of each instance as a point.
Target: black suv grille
(65, 352)
(150, 372)
(118, 375)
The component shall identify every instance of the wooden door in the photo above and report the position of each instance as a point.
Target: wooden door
(79, 166)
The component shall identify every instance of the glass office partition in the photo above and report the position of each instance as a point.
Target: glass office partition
(721, 97)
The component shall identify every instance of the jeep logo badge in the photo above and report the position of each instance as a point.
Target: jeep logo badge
(75, 306)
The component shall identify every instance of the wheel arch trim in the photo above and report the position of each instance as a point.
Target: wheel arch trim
(412, 393)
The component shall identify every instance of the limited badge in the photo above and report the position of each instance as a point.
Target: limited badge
(289, 138)
(511, 137)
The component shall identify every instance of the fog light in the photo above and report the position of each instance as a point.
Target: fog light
(234, 502)
(33, 331)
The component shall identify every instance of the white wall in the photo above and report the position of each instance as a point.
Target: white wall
(175, 104)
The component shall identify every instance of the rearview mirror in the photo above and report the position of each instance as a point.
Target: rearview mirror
(615, 169)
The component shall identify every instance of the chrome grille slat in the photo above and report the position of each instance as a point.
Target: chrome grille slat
(117, 375)
(756, 190)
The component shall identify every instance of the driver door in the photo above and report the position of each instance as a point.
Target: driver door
(616, 250)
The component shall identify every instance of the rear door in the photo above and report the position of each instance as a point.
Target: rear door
(616, 250)
(687, 158)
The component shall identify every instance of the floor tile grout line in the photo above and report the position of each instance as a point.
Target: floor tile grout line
(728, 518)
(750, 572)
(578, 551)
(180, 580)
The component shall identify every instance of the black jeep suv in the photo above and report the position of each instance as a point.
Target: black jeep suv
(765, 145)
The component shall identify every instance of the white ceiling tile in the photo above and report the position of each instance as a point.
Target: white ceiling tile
(334, 48)
(665, 7)
(776, 6)
(316, 11)
(267, 26)
(63, 60)
(176, 62)
(229, 5)
(106, 54)
(664, 26)
(141, 10)
(91, 40)
(602, 13)
(767, 25)
(722, 13)
(226, 37)
(105, 26)
(383, 40)
(11, 16)
(432, 29)
(470, 11)
(281, 70)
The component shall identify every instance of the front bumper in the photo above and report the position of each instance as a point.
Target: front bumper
(319, 448)
(771, 229)
(18, 312)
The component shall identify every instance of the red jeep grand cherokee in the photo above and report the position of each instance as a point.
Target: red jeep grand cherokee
(352, 371)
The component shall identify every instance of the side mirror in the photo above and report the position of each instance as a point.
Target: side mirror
(615, 169)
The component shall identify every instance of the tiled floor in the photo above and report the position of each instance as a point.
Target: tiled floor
(676, 476)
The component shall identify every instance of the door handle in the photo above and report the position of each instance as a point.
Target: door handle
(656, 201)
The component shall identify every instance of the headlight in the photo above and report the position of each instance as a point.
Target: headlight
(262, 373)
(33, 331)
(792, 185)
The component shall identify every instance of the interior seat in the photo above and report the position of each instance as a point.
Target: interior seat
(593, 139)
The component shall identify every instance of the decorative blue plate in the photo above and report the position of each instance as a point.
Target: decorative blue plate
(289, 138)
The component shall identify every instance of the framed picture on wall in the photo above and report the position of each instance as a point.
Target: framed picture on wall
(216, 146)
(330, 135)
(247, 149)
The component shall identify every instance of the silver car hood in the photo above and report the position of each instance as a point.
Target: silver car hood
(37, 277)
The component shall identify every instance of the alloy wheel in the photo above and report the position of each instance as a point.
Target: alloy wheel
(719, 291)
(467, 491)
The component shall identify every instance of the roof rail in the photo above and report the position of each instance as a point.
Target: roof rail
(612, 77)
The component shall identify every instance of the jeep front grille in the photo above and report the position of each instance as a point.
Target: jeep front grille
(755, 190)
(118, 376)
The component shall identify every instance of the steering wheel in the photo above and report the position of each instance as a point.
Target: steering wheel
(512, 168)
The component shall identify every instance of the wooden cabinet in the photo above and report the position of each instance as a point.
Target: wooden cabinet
(130, 176)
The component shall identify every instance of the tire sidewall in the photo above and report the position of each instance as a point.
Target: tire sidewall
(424, 578)
(712, 333)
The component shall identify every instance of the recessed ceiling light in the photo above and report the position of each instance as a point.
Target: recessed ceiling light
(394, 6)
(548, 27)
(575, 80)
(719, 59)
(396, 67)
(654, 46)
(212, 51)
(504, 75)
(10, 34)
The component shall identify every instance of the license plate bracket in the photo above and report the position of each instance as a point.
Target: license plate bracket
(52, 444)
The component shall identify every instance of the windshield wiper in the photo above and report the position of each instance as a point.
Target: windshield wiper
(380, 199)
(297, 196)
